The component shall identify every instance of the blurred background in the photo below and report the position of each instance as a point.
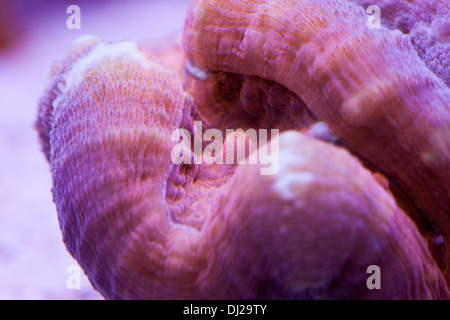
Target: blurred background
(34, 263)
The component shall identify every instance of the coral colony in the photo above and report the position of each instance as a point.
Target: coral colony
(338, 186)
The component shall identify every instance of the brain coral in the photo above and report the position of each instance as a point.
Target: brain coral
(362, 158)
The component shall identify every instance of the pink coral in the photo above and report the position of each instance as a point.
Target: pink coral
(142, 226)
